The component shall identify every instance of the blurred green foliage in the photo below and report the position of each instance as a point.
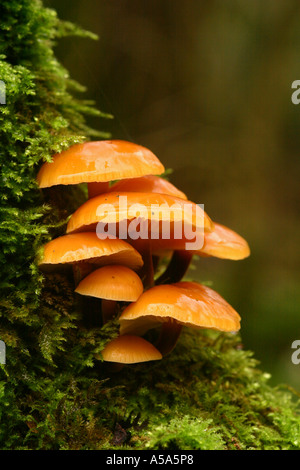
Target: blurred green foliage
(206, 85)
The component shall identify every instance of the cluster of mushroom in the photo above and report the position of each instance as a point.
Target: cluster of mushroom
(123, 272)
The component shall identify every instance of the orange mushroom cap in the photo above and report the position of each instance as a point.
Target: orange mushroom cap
(188, 303)
(147, 184)
(129, 349)
(86, 246)
(86, 217)
(99, 161)
(112, 283)
(224, 243)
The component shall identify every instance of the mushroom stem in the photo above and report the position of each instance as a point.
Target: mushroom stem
(108, 310)
(94, 189)
(146, 273)
(176, 268)
(169, 334)
(80, 270)
(91, 308)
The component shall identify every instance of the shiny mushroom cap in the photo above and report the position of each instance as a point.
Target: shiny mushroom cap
(224, 243)
(115, 207)
(112, 283)
(99, 161)
(148, 184)
(86, 246)
(188, 303)
(129, 349)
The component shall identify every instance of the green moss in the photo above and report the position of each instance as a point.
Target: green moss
(54, 394)
(208, 393)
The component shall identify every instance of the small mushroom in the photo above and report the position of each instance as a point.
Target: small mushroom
(111, 284)
(89, 214)
(97, 163)
(174, 306)
(221, 242)
(130, 349)
(224, 243)
(84, 251)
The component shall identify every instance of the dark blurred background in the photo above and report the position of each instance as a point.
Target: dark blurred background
(206, 85)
